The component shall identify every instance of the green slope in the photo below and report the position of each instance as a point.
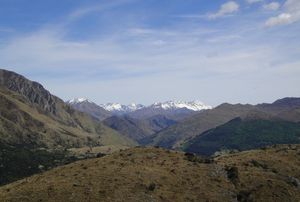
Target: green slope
(239, 134)
(177, 134)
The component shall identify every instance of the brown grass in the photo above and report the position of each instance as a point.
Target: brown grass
(152, 174)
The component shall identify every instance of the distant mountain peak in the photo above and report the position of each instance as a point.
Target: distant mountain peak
(119, 108)
(78, 100)
(192, 105)
(289, 101)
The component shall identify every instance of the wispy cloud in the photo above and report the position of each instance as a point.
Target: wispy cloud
(253, 1)
(225, 9)
(273, 6)
(239, 56)
(290, 14)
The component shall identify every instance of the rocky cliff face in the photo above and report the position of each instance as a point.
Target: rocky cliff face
(35, 125)
(35, 95)
(30, 114)
(33, 91)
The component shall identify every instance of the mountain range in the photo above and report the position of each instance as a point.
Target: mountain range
(120, 109)
(137, 121)
(39, 131)
(117, 108)
(178, 135)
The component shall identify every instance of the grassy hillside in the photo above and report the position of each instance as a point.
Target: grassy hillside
(132, 128)
(21, 123)
(33, 120)
(151, 174)
(138, 129)
(177, 134)
(244, 134)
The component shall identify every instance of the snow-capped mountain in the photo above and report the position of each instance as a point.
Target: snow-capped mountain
(193, 105)
(78, 100)
(89, 107)
(158, 107)
(119, 108)
(174, 110)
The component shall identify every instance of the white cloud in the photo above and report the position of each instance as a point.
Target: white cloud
(83, 11)
(282, 19)
(291, 14)
(226, 8)
(273, 6)
(122, 66)
(253, 1)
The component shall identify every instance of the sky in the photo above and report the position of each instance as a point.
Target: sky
(144, 51)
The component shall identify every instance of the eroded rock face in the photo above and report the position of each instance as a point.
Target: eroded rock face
(37, 96)
(27, 108)
(34, 92)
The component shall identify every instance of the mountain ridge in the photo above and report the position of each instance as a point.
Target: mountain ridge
(174, 136)
(168, 105)
(38, 128)
(89, 107)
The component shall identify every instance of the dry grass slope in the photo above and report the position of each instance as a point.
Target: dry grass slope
(152, 174)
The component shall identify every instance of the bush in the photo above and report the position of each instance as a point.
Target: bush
(196, 159)
(233, 174)
(151, 186)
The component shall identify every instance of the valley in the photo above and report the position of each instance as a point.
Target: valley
(172, 151)
(149, 101)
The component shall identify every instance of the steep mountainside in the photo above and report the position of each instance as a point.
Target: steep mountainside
(30, 114)
(159, 122)
(281, 105)
(138, 129)
(31, 119)
(245, 134)
(132, 128)
(175, 135)
(86, 106)
(285, 109)
(151, 174)
(173, 114)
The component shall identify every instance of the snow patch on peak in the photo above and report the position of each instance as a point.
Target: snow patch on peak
(117, 107)
(134, 106)
(112, 106)
(193, 105)
(78, 100)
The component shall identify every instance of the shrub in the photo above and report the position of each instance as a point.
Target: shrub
(151, 186)
(233, 174)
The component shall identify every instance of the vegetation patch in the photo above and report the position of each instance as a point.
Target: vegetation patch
(18, 161)
(233, 174)
(242, 135)
(197, 159)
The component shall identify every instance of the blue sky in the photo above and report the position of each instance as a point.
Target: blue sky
(143, 51)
